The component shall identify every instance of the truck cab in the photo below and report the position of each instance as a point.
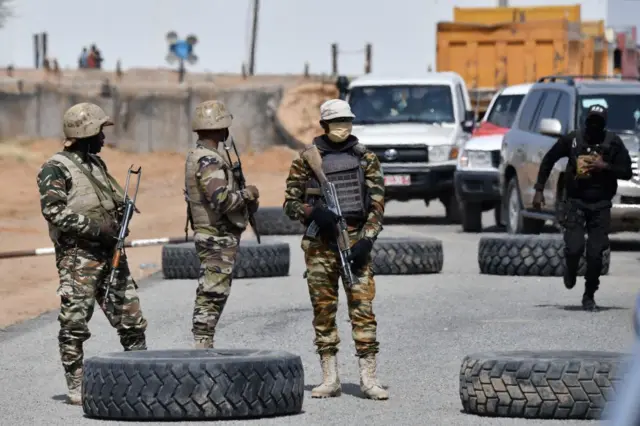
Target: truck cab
(415, 126)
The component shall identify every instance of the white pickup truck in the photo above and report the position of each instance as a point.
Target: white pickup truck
(416, 126)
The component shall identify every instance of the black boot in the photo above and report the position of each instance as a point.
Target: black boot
(570, 278)
(589, 303)
(570, 275)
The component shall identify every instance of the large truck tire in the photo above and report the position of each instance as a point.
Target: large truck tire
(192, 384)
(407, 256)
(541, 385)
(180, 261)
(528, 255)
(273, 221)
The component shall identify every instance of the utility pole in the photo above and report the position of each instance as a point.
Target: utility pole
(254, 37)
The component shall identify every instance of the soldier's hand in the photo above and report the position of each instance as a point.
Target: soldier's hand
(538, 200)
(108, 231)
(253, 206)
(251, 193)
(325, 219)
(597, 163)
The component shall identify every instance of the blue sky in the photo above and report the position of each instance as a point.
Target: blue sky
(291, 31)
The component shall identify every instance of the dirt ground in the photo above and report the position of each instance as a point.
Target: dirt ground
(28, 287)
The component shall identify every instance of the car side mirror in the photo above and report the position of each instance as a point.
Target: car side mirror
(469, 122)
(550, 127)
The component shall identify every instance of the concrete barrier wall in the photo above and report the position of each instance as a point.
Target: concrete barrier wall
(143, 122)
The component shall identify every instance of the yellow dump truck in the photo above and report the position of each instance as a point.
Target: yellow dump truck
(492, 56)
(495, 47)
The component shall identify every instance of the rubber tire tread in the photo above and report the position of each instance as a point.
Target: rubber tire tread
(180, 261)
(273, 221)
(192, 385)
(529, 255)
(407, 256)
(542, 385)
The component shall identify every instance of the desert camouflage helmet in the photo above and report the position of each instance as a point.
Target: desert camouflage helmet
(84, 120)
(211, 115)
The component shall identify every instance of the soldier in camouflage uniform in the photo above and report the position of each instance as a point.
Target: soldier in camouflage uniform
(82, 205)
(218, 212)
(361, 198)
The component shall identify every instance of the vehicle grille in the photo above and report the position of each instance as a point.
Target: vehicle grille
(635, 167)
(495, 158)
(404, 154)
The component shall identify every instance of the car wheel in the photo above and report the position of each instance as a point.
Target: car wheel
(516, 223)
(471, 217)
(452, 208)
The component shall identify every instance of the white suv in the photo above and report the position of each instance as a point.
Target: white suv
(415, 125)
(477, 181)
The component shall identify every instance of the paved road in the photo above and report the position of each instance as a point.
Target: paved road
(426, 325)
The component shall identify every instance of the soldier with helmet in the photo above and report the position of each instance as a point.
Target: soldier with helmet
(218, 212)
(361, 198)
(81, 203)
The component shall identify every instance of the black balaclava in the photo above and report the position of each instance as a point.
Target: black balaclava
(595, 124)
(90, 145)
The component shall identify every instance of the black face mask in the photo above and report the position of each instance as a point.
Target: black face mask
(594, 127)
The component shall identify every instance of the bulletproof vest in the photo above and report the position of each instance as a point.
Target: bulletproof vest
(96, 200)
(345, 170)
(581, 147)
(201, 212)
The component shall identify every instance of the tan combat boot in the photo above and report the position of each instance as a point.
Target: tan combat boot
(330, 386)
(369, 384)
(74, 386)
(204, 342)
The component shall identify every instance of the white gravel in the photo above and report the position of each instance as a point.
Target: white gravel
(426, 326)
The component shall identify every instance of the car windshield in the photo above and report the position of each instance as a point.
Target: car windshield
(429, 104)
(623, 113)
(504, 110)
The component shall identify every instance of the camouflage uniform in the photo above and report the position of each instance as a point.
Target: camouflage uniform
(218, 215)
(323, 266)
(75, 206)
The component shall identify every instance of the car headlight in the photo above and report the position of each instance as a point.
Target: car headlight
(440, 153)
(475, 159)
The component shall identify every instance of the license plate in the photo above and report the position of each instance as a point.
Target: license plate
(397, 180)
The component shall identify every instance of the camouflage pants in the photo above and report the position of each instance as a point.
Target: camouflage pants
(323, 273)
(83, 279)
(217, 255)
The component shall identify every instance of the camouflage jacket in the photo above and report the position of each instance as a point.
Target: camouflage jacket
(54, 183)
(300, 173)
(211, 178)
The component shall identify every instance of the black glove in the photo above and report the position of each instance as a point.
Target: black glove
(253, 206)
(108, 232)
(325, 219)
(360, 254)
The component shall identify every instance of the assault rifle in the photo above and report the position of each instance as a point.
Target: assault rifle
(129, 208)
(312, 156)
(238, 175)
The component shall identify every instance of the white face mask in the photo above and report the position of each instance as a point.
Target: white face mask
(339, 132)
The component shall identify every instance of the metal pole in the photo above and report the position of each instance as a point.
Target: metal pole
(36, 49)
(254, 37)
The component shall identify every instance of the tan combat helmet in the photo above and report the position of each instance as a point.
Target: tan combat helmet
(211, 115)
(84, 120)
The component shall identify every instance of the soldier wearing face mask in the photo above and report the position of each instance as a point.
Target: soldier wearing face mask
(597, 159)
(361, 198)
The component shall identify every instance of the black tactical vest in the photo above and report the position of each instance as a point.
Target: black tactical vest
(345, 169)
